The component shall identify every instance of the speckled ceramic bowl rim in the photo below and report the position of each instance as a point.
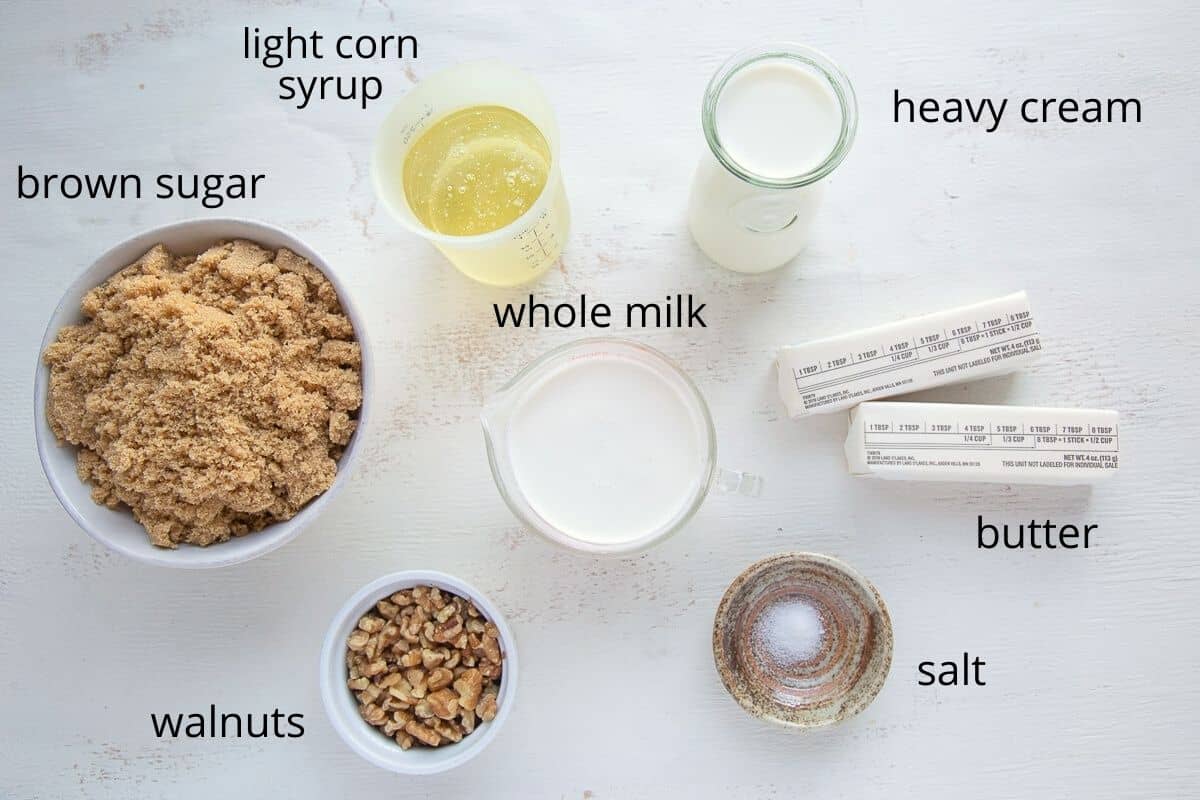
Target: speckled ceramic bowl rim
(863, 695)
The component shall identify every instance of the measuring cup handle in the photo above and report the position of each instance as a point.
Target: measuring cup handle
(729, 481)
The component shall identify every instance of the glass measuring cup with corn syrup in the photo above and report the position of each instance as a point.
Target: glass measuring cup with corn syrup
(468, 160)
(606, 446)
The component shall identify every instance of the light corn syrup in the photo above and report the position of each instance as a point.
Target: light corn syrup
(778, 119)
(606, 450)
(476, 170)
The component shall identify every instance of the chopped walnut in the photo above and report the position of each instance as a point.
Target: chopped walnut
(440, 678)
(487, 707)
(425, 667)
(469, 687)
(423, 733)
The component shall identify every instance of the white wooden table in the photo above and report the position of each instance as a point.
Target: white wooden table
(1091, 655)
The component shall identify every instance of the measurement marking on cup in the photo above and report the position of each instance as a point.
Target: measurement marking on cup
(531, 255)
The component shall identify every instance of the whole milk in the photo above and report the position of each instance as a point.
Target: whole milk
(607, 451)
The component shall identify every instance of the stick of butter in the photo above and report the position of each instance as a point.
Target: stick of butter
(992, 444)
(962, 344)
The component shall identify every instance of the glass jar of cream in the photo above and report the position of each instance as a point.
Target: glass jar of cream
(778, 119)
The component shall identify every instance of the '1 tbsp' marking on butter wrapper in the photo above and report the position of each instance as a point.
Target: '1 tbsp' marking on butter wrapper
(961, 344)
(988, 444)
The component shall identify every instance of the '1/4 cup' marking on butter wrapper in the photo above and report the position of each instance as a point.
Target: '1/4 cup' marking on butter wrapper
(966, 343)
(986, 444)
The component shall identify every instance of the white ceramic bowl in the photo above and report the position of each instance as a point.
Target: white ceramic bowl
(116, 528)
(342, 707)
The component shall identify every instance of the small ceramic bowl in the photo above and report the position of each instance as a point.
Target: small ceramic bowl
(116, 528)
(803, 640)
(342, 707)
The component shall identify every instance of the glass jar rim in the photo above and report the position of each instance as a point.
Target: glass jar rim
(810, 57)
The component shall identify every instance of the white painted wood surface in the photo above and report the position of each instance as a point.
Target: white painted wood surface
(1091, 656)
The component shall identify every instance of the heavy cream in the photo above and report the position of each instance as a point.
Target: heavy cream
(607, 450)
(778, 119)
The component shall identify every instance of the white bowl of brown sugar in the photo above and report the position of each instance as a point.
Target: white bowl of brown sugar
(202, 392)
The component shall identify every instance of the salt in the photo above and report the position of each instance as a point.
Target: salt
(790, 631)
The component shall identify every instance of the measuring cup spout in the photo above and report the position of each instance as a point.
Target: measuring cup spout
(728, 481)
(495, 413)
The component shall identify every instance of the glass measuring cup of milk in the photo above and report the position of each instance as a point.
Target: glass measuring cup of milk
(512, 139)
(605, 445)
(778, 119)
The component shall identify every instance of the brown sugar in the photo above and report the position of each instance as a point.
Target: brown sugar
(213, 395)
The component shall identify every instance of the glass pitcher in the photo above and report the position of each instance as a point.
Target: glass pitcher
(499, 410)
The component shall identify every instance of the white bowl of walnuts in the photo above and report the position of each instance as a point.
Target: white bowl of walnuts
(418, 672)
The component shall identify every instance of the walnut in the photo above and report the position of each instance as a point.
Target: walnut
(469, 687)
(389, 635)
(373, 714)
(424, 734)
(447, 631)
(487, 707)
(402, 693)
(448, 730)
(491, 649)
(444, 703)
(425, 667)
(417, 680)
(439, 678)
